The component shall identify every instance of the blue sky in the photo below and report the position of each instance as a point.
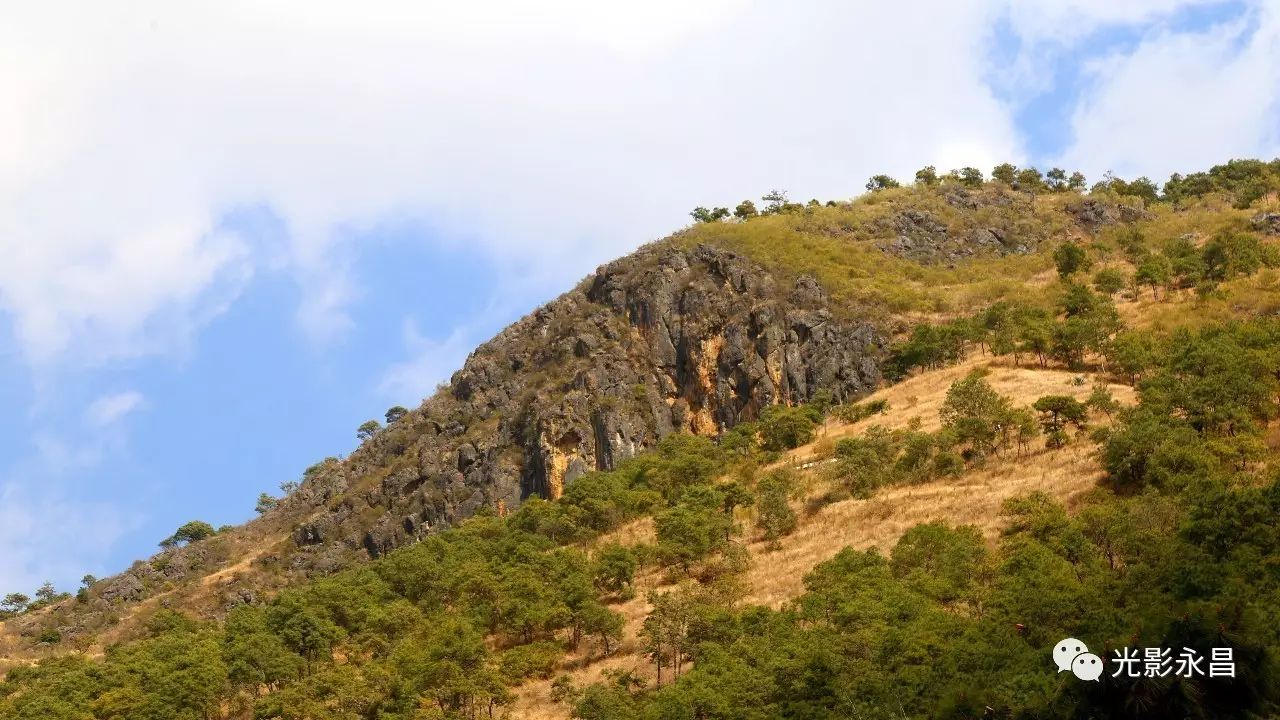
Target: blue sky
(231, 239)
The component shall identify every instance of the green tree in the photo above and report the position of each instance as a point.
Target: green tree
(14, 603)
(603, 624)
(253, 654)
(368, 429)
(266, 504)
(974, 412)
(1101, 400)
(1109, 281)
(745, 210)
(1131, 354)
(1229, 254)
(614, 568)
(665, 632)
(190, 532)
(881, 182)
(774, 516)
(971, 177)
(775, 201)
(927, 175)
(1030, 180)
(1070, 258)
(1006, 173)
(1058, 411)
(694, 528)
(46, 593)
(395, 412)
(939, 561)
(786, 427)
(1154, 270)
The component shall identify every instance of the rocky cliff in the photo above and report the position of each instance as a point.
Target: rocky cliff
(661, 341)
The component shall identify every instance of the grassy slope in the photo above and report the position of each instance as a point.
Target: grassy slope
(973, 498)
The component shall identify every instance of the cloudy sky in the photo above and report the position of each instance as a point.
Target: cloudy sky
(232, 231)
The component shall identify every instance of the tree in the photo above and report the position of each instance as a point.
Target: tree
(1131, 354)
(1154, 270)
(1056, 179)
(88, 581)
(394, 413)
(1030, 180)
(971, 177)
(881, 182)
(784, 428)
(14, 602)
(614, 568)
(368, 429)
(694, 528)
(745, 209)
(190, 532)
(1102, 401)
(604, 624)
(927, 175)
(974, 412)
(1006, 173)
(665, 631)
(1229, 254)
(254, 654)
(1109, 281)
(1056, 412)
(774, 516)
(775, 201)
(266, 504)
(46, 593)
(939, 561)
(1070, 258)
(1077, 300)
(1076, 182)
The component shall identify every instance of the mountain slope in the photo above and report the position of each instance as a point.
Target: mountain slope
(693, 333)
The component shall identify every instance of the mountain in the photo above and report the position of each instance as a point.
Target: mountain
(701, 366)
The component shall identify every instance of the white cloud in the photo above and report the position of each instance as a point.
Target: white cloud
(1066, 21)
(556, 134)
(49, 536)
(1184, 101)
(430, 362)
(107, 409)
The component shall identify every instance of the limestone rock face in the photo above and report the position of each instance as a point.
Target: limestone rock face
(661, 341)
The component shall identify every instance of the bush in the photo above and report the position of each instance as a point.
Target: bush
(786, 428)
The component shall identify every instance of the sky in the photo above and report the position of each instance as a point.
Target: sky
(231, 232)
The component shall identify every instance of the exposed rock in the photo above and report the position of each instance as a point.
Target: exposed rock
(1267, 222)
(1094, 212)
(125, 587)
(663, 340)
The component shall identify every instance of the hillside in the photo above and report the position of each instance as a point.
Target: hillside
(723, 422)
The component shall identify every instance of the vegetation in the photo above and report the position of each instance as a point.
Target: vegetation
(190, 532)
(1175, 548)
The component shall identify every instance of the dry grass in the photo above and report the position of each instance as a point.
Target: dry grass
(974, 498)
(920, 397)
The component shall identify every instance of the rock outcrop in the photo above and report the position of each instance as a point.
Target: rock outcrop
(661, 341)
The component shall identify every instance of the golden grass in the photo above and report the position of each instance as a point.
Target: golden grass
(975, 498)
